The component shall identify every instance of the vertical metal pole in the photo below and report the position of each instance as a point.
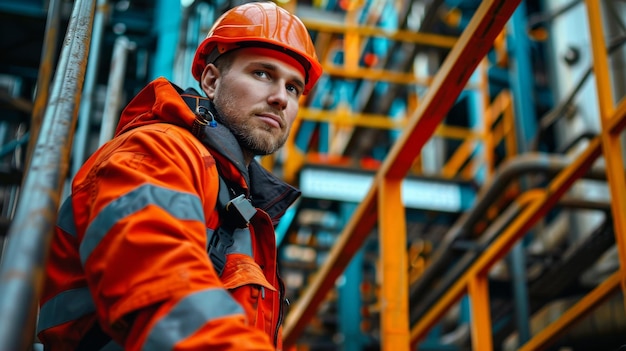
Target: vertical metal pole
(349, 299)
(167, 24)
(48, 56)
(395, 283)
(113, 103)
(526, 126)
(611, 144)
(21, 271)
(86, 105)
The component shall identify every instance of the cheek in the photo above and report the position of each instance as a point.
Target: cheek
(290, 114)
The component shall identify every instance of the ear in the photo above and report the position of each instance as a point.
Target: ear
(209, 79)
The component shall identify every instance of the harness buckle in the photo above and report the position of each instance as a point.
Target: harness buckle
(240, 211)
(220, 242)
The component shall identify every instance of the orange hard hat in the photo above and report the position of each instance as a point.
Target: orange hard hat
(264, 25)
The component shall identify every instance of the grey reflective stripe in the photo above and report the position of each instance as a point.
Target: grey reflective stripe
(112, 346)
(65, 219)
(66, 306)
(183, 206)
(242, 241)
(189, 315)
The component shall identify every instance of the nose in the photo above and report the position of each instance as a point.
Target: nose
(278, 96)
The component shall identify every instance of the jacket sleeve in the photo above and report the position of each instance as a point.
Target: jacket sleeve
(143, 208)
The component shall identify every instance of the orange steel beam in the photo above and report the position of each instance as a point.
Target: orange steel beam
(351, 40)
(341, 117)
(394, 297)
(552, 332)
(458, 159)
(611, 142)
(434, 40)
(522, 223)
(474, 43)
(617, 123)
(472, 46)
(508, 125)
(381, 75)
(478, 289)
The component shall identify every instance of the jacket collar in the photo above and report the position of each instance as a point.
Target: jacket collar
(265, 190)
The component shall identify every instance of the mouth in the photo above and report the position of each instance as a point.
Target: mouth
(271, 119)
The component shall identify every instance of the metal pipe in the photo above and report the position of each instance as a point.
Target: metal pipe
(517, 266)
(528, 163)
(85, 111)
(541, 201)
(538, 20)
(560, 276)
(465, 261)
(561, 110)
(113, 103)
(21, 271)
(48, 55)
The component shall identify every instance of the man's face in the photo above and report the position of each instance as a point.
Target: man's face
(257, 98)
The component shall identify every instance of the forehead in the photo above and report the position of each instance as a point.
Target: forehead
(280, 60)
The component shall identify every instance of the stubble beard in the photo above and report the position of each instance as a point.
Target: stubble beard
(251, 138)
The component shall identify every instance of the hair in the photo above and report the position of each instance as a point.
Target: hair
(224, 62)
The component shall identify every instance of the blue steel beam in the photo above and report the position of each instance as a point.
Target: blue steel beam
(523, 88)
(167, 24)
(349, 299)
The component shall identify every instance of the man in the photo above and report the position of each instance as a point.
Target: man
(156, 248)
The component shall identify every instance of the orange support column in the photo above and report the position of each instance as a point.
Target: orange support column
(611, 144)
(395, 287)
(478, 289)
(352, 39)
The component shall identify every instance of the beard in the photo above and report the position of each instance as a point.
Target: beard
(256, 140)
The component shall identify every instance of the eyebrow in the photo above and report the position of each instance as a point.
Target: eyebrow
(273, 67)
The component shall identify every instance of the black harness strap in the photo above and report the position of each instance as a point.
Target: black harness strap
(235, 213)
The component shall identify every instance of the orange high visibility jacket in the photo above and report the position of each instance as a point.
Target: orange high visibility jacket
(130, 247)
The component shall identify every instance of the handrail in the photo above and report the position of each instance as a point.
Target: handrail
(48, 57)
(21, 271)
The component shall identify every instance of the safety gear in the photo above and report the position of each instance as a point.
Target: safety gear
(130, 245)
(259, 24)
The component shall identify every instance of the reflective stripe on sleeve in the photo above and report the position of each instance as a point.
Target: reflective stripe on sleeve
(189, 315)
(183, 206)
(65, 219)
(64, 307)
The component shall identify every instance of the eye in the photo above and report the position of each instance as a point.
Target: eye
(261, 74)
(294, 89)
